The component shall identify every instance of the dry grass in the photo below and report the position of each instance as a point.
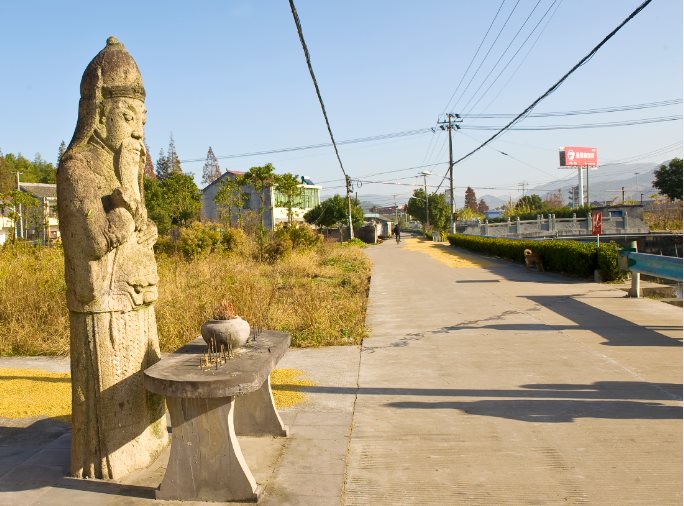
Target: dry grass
(317, 295)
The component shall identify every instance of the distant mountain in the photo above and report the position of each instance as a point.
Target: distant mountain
(605, 185)
(606, 182)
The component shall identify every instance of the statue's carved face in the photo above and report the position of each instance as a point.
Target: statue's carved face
(121, 120)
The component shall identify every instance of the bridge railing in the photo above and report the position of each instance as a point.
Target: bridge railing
(651, 265)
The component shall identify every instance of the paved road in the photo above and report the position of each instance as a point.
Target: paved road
(480, 383)
(486, 384)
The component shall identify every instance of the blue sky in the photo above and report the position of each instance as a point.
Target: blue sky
(232, 75)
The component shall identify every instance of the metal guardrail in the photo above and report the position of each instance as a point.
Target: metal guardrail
(652, 265)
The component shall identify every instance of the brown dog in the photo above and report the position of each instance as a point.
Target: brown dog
(534, 259)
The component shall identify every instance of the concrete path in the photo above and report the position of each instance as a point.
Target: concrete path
(482, 383)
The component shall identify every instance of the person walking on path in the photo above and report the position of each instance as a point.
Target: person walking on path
(397, 232)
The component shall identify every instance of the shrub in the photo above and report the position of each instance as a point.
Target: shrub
(277, 247)
(198, 238)
(235, 240)
(568, 257)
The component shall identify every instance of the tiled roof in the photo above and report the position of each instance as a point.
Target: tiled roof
(40, 190)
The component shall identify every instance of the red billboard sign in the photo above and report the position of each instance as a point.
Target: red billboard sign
(577, 156)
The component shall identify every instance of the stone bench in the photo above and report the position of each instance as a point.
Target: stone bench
(208, 408)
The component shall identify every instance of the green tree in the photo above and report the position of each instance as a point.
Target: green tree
(437, 207)
(155, 202)
(668, 179)
(228, 197)
(211, 170)
(260, 178)
(36, 171)
(334, 211)
(289, 193)
(172, 157)
(470, 199)
(529, 203)
(174, 200)
(163, 168)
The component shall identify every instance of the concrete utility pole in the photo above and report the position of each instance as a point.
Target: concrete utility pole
(425, 174)
(449, 124)
(349, 208)
(21, 213)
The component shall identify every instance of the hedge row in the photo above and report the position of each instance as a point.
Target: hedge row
(567, 257)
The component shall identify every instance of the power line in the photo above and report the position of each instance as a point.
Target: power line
(380, 137)
(600, 110)
(503, 53)
(644, 121)
(486, 55)
(524, 59)
(559, 82)
(474, 56)
(508, 63)
(315, 82)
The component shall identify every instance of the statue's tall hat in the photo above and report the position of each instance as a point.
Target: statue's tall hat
(112, 73)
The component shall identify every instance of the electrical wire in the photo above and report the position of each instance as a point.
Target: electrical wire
(527, 54)
(503, 53)
(392, 135)
(486, 55)
(508, 63)
(553, 88)
(313, 78)
(474, 56)
(600, 110)
(643, 121)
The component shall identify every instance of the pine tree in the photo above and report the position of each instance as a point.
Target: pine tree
(163, 166)
(482, 207)
(149, 166)
(470, 199)
(211, 171)
(172, 156)
(60, 152)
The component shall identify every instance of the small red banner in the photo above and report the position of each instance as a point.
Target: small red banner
(596, 222)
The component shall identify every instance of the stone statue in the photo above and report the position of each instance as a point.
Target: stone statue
(111, 274)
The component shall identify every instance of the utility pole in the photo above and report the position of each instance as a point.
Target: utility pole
(349, 207)
(396, 209)
(449, 124)
(425, 174)
(21, 213)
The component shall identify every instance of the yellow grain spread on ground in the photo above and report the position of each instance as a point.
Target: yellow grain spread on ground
(285, 384)
(444, 253)
(28, 393)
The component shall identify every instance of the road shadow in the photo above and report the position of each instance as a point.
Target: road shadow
(600, 390)
(553, 411)
(615, 330)
(549, 403)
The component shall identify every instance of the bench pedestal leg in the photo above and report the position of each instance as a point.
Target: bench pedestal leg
(206, 462)
(256, 414)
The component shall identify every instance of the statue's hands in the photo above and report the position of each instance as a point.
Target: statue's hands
(120, 200)
(120, 226)
(147, 235)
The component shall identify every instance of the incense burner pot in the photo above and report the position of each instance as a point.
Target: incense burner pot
(232, 333)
